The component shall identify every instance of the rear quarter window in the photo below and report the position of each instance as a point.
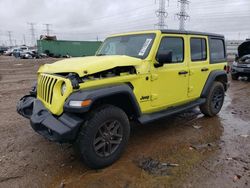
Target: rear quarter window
(217, 50)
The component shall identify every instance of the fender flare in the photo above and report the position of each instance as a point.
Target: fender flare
(101, 93)
(214, 76)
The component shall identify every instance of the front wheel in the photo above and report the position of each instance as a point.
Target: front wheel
(103, 137)
(214, 100)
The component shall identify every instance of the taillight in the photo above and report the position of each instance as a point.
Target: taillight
(227, 68)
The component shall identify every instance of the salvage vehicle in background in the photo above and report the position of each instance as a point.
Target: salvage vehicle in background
(9, 52)
(139, 76)
(29, 54)
(3, 49)
(16, 51)
(241, 65)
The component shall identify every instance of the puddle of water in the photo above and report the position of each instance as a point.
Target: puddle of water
(230, 167)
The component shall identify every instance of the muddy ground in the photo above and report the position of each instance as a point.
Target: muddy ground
(186, 150)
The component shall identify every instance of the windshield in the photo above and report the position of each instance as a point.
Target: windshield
(131, 45)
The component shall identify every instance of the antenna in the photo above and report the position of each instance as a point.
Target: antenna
(162, 14)
(182, 15)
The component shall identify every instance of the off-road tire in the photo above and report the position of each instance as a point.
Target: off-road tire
(210, 107)
(86, 140)
(235, 76)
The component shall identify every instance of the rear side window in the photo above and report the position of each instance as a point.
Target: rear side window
(174, 45)
(217, 50)
(198, 49)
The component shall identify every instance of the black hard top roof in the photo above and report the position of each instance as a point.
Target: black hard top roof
(170, 31)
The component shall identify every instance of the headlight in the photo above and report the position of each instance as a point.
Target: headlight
(84, 103)
(235, 64)
(63, 88)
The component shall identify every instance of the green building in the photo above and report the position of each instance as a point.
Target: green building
(71, 48)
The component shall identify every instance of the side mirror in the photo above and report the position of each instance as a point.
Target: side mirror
(164, 57)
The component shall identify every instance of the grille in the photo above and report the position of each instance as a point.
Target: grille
(45, 88)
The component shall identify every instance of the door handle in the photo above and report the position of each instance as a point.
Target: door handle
(183, 72)
(204, 69)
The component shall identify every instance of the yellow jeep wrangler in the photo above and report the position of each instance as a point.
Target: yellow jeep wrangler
(139, 76)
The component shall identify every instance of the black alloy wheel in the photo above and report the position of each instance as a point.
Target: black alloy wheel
(217, 99)
(103, 137)
(108, 138)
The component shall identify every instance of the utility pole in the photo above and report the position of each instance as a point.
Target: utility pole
(32, 30)
(10, 38)
(47, 29)
(183, 15)
(24, 40)
(162, 14)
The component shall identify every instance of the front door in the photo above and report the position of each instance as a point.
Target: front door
(170, 81)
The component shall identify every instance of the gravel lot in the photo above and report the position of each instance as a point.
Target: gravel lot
(186, 150)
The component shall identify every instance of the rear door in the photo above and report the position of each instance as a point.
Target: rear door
(198, 64)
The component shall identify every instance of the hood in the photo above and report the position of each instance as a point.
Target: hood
(244, 49)
(89, 65)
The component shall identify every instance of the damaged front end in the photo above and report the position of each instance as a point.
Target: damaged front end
(59, 128)
(44, 106)
(241, 66)
(25, 106)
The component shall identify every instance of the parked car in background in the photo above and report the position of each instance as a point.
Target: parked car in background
(241, 65)
(9, 52)
(3, 49)
(16, 51)
(29, 54)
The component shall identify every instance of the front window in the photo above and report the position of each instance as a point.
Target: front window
(173, 45)
(137, 46)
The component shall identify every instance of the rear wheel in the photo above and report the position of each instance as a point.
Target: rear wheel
(214, 100)
(103, 137)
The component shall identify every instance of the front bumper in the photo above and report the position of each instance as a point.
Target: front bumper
(59, 129)
(240, 70)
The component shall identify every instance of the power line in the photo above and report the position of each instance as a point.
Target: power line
(32, 30)
(182, 15)
(162, 14)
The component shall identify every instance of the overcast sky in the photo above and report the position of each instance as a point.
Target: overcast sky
(89, 19)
